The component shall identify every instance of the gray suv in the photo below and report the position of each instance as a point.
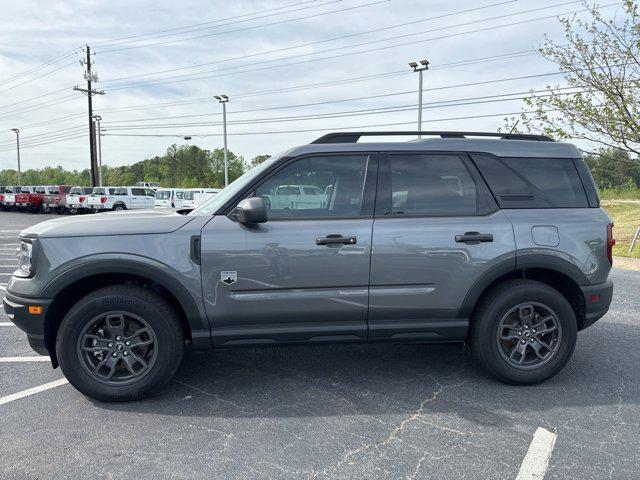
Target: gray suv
(496, 240)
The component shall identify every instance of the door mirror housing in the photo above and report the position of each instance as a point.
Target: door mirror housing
(250, 211)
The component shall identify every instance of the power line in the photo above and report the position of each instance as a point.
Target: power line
(345, 113)
(309, 44)
(109, 42)
(38, 78)
(376, 2)
(368, 97)
(46, 143)
(39, 67)
(244, 70)
(354, 127)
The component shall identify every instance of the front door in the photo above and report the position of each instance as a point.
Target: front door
(436, 231)
(303, 275)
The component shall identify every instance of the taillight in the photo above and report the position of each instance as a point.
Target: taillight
(81, 199)
(57, 199)
(103, 199)
(610, 242)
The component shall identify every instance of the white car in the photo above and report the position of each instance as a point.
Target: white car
(121, 198)
(296, 197)
(152, 185)
(169, 198)
(194, 197)
(78, 199)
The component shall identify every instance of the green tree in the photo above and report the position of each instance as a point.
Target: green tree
(258, 159)
(600, 61)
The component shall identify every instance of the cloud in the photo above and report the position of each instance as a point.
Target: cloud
(36, 31)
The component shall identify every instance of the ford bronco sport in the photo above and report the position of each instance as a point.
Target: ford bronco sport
(496, 240)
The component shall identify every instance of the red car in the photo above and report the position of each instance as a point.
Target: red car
(55, 199)
(30, 198)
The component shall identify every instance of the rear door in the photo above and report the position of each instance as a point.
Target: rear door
(138, 198)
(437, 230)
(303, 275)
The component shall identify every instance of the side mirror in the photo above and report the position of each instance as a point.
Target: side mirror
(250, 210)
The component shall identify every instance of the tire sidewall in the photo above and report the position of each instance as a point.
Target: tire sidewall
(168, 337)
(495, 311)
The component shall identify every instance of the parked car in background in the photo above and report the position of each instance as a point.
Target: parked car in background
(9, 200)
(99, 197)
(123, 198)
(194, 197)
(152, 185)
(55, 200)
(78, 199)
(169, 198)
(30, 198)
(295, 197)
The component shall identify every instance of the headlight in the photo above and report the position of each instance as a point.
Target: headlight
(25, 260)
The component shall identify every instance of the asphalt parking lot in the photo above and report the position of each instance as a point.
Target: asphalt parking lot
(350, 411)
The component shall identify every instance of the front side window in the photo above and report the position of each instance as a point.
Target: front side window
(285, 196)
(427, 184)
(137, 191)
(163, 194)
(120, 191)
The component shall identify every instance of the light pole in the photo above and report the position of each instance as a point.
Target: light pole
(223, 99)
(97, 118)
(18, 147)
(424, 65)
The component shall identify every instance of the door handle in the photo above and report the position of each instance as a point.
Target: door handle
(473, 238)
(336, 239)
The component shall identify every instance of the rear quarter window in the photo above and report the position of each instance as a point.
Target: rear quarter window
(532, 182)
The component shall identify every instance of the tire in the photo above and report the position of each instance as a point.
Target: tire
(72, 211)
(160, 348)
(118, 207)
(44, 209)
(498, 348)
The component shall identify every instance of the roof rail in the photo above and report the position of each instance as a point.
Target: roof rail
(353, 137)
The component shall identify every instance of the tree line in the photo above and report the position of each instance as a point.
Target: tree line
(181, 166)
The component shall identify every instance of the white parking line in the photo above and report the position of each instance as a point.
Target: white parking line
(7, 324)
(32, 391)
(3, 287)
(536, 461)
(39, 358)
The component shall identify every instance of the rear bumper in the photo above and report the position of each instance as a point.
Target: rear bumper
(17, 309)
(597, 299)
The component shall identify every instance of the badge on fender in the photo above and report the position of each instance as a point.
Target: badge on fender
(228, 277)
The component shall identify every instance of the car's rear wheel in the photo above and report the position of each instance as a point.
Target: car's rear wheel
(120, 343)
(118, 207)
(523, 332)
(45, 208)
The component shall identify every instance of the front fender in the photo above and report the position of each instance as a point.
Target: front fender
(188, 293)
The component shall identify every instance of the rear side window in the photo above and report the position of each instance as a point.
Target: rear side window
(433, 185)
(532, 182)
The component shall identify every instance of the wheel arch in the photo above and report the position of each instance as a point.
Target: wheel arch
(72, 285)
(555, 272)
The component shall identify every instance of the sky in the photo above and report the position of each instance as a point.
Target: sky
(282, 63)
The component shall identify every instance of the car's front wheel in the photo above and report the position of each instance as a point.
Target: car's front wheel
(120, 343)
(523, 332)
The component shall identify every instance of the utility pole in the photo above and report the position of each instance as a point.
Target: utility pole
(18, 147)
(223, 99)
(97, 119)
(424, 65)
(90, 77)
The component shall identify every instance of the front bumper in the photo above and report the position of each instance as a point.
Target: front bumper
(17, 309)
(597, 299)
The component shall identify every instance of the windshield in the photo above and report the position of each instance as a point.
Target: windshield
(188, 195)
(217, 201)
(24, 190)
(75, 191)
(163, 194)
